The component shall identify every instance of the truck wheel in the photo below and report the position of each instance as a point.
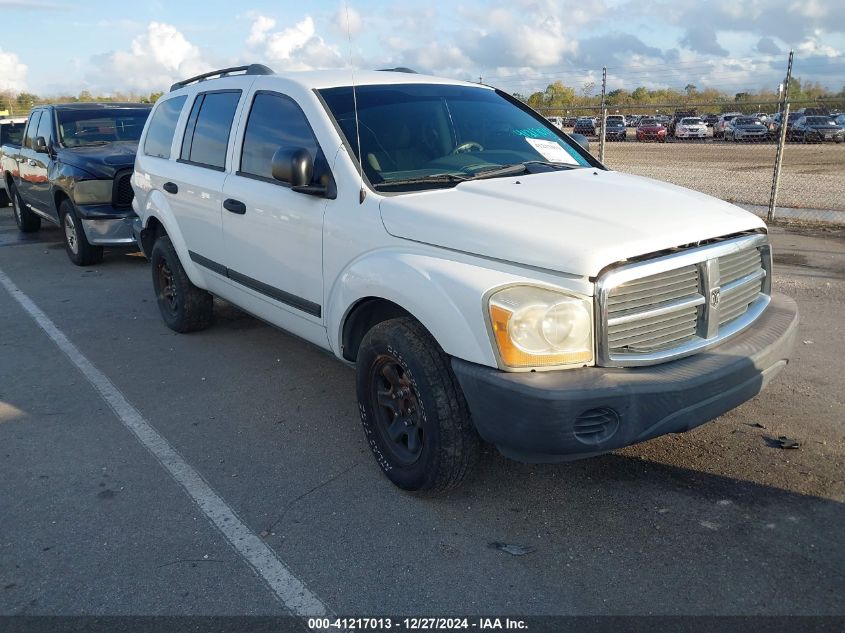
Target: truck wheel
(26, 220)
(414, 415)
(184, 307)
(77, 247)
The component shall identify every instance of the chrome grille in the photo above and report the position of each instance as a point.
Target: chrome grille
(675, 305)
(661, 310)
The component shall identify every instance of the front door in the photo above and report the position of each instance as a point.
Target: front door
(273, 235)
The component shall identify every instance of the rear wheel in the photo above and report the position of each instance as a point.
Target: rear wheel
(414, 415)
(183, 306)
(77, 247)
(26, 219)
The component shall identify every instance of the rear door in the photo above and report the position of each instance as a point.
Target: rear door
(273, 235)
(39, 167)
(194, 183)
(26, 158)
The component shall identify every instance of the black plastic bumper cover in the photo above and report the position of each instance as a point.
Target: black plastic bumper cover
(537, 416)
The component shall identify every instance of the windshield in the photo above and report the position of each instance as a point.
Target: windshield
(691, 121)
(427, 132)
(645, 122)
(11, 133)
(818, 120)
(746, 121)
(78, 128)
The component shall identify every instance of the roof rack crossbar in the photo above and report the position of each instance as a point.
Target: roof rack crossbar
(251, 69)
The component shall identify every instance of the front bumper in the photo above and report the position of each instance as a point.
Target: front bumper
(569, 414)
(105, 225)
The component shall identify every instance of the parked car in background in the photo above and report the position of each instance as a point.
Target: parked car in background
(533, 317)
(73, 169)
(677, 117)
(691, 128)
(617, 117)
(722, 124)
(840, 119)
(710, 119)
(746, 128)
(556, 121)
(569, 121)
(585, 125)
(11, 134)
(632, 120)
(651, 130)
(816, 129)
(615, 130)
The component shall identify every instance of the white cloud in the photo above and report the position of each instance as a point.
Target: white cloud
(261, 26)
(812, 46)
(12, 72)
(154, 60)
(298, 47)
(348, 20)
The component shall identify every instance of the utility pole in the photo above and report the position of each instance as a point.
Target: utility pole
(784, 119)
(603, 113)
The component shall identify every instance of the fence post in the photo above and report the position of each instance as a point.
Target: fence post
(603, 114)
(784, 121)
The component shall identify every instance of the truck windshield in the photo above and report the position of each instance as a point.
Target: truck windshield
(434, 134)
(79, 128)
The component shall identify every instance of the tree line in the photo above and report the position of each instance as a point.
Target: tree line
(23, 102)
(558, 98)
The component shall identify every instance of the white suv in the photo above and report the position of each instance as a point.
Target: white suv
(487, 277)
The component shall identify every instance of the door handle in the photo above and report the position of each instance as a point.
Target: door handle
(170, 187)
(235, 206)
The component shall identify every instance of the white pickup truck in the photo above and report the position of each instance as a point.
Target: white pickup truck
(485, 275)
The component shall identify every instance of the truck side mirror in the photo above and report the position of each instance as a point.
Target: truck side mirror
(293, 165)
(582, 140)
(40, 145)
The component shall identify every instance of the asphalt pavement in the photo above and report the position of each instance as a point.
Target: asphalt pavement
(720, 520)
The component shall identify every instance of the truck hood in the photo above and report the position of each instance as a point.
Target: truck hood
(101, 161)
(574, 222)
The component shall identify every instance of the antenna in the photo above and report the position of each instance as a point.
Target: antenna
(362, 193)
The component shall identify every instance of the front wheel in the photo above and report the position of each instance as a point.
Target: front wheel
(77, 247)
(414, 415)
(184, 307)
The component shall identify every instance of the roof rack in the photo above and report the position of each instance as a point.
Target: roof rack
(398, 69)
(251, 69)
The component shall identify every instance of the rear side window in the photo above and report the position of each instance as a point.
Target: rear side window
(30, 130)
(163, 127)
(275, 121)
(12, 133)
(207, 132)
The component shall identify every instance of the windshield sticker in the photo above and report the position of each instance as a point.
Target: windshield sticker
(534, 132)
(551, 151)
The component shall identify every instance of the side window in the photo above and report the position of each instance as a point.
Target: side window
(163, 127)
(274, 121)
(207, 132)
(30, 129)
(45, 127)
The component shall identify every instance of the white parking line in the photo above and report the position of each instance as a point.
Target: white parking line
(291, 591)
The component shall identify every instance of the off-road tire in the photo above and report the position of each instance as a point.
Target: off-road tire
(184, 307)
(449, 442)
(77, 247)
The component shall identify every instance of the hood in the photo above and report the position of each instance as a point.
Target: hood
(574, 222)
(103, 161)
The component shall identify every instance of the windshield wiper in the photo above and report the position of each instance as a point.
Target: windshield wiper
(434, 179)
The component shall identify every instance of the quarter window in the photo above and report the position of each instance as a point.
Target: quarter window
(207, 132)
(275, 121)
(163, 127)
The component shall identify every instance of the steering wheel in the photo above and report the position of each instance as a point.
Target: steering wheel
(468, 147)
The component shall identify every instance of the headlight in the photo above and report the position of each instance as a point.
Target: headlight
(93, 191)
(536, 327)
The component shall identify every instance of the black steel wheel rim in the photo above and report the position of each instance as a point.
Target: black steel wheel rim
(167, 289)
(397, 411)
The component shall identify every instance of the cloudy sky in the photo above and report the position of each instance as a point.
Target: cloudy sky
(53, 46)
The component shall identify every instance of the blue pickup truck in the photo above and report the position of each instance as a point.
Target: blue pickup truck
(72, 167)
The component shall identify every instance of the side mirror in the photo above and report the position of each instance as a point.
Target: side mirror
(40, 145)
(293, 165)
(582, 140)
